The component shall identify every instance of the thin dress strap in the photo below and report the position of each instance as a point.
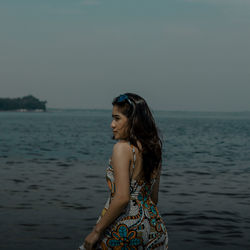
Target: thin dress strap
(134, 159)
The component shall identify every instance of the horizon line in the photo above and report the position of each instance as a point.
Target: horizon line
(161, 110)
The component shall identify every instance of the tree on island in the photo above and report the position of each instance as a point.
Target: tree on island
(28, 102)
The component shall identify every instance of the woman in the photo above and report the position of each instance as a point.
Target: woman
(130, 218)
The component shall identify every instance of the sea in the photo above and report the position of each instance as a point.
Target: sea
(53, 187)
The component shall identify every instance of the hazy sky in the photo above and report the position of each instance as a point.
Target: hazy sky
(177, 54)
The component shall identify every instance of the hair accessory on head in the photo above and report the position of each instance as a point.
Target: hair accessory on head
(122, 98)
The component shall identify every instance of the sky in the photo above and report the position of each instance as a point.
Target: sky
(185, 55)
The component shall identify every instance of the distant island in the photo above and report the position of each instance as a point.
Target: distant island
(26, 103)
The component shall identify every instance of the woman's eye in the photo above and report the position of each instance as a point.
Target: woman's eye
(116, 118)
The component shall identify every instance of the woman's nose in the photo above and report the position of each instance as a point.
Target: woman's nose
(112, 124)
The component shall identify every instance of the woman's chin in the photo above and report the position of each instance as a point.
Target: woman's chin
(115, 137)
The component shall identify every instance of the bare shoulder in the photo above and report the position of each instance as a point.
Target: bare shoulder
(121, 147)
(121, 152)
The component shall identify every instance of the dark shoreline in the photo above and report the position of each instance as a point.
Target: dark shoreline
(23, 104)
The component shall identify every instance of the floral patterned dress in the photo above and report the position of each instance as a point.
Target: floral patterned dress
(140, 225)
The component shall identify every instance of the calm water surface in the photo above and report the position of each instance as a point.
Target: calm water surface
(52, 168)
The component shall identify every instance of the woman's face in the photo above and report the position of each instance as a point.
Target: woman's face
(119, 124)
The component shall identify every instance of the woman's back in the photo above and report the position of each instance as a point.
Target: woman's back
(137, 173)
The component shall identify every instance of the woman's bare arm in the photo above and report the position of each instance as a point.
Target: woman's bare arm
(120, 161)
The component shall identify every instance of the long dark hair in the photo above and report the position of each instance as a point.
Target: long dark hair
(141, 127)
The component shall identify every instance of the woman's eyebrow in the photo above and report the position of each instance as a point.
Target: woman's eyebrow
(115, 115)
